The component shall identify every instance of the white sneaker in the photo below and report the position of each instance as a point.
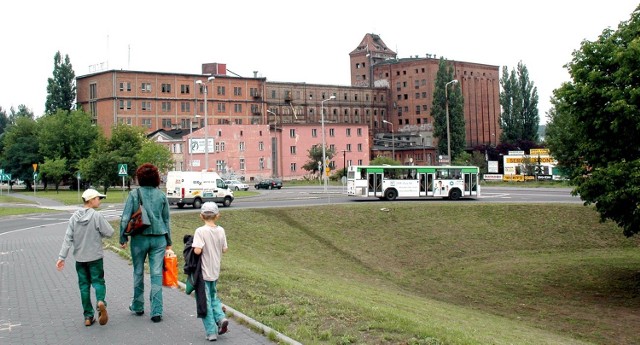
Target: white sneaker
(212, 337)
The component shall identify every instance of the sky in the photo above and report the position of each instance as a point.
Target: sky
(290, 41)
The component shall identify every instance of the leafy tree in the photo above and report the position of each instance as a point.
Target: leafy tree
(77, 141)
(156, 154)
(456, 115)
(23, 111)
(593, 128)
(4, 120)
(61, 88)
(315, 157)
(99, 168)
(55, 169)
(20, 149)
(519, 101)
(382, 160)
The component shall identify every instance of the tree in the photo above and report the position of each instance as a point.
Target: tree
(20, 149)
(156, 154)
(61, 88)
(382, 160)
(54, 169)
(4, 120)
(315, 157)
(23, 111)
(594, 122)
(519, 100)
(456, 115)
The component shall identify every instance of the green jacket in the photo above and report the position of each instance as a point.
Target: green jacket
(157, 206)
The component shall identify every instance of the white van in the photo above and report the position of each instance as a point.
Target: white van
(197, 187)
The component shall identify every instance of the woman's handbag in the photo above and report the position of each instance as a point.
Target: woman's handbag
(170, 270)
(139, 219)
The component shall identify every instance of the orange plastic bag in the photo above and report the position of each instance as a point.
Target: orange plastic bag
(170, 270)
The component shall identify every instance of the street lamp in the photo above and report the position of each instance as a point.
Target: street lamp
(206, 128)
(393, 140)
(424, 149)
(324, 152)
(190, 144)
(446, 107)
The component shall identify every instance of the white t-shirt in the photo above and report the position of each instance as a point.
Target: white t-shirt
(212, 240)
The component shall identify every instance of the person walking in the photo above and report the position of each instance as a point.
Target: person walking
(85, 232)
(210, 242)
(151, 243)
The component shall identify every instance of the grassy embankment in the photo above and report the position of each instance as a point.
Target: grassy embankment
(430, 273)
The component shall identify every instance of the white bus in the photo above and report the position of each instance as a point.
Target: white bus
(392, 181)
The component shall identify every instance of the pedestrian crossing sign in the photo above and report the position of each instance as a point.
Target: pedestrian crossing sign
(122, 170)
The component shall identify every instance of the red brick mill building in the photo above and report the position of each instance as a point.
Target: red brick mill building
(383, 88)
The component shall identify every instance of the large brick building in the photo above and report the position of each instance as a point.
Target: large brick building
(384, 90)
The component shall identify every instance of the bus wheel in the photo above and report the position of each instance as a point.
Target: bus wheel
(197, 203)
(180, 205)
(226, 202)
(390, 194)
(455, 194)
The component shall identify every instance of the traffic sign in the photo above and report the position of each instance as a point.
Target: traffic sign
(35, 176)
(35, 166)
(122, 170)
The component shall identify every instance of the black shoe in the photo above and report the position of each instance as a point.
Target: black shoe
(141, 312)
(156, 318)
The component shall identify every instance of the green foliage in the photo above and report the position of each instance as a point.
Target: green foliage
(54, 169)
(519, 101)
(23, 111)
(315, 156)
(61, 88)
(20, 149)
(456, 114)
(156, 154)
(4, 120)
(593, 131)
(382, 160)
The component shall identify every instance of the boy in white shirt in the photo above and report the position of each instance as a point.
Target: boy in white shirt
(210, 242)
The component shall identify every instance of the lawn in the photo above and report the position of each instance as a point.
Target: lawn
(430, 273)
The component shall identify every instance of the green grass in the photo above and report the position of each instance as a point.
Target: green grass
(13, 211)
(430, 273)
(9, 199)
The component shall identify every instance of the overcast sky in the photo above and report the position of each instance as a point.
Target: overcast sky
(291, 41)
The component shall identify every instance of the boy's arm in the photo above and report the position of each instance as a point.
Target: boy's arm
(105, 229)
(66, 245)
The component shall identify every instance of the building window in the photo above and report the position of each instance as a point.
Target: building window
(146, 123)
(166, 123)
(332, 132)
(237, 108)
(125, 104)
(184, 89)
(220, 166)
(166, 106)
(359, 161)
(348, 132)
(221, 90)
(292, 150)
(125, 120)
(332, 147)
(261, 146)
(125, 86)
(292, 133)
(241, 146)
(261, 163)
(348, 148)
(145, 87)
(314, 132)
(221, 108)
(146, 105)
(293, 167)
(242, 167)
(185, 107)
(237, 91)
(359, 147)
(166, 88)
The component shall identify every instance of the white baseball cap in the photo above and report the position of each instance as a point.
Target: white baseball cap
(209, 208)
(92, 193)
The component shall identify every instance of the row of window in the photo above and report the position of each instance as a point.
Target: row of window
(185, 106)
(273, 94)
(186, 89)
(293, 149)
(332, 132)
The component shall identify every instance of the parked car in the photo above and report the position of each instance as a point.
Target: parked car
(236, 185)
(269, 184)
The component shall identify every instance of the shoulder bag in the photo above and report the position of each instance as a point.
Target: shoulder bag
(139, 219)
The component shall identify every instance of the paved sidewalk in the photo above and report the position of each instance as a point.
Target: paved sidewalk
(39, 305)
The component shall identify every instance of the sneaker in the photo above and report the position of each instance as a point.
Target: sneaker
(212, 337)
(103, 317)
(141, 312)
(88, 321)
(223, 326)
(156, 318)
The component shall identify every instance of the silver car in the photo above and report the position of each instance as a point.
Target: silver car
(236, 185)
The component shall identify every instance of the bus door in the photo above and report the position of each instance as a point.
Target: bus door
(374, 184)
(424, 186)
(470, 184)
(430, 181)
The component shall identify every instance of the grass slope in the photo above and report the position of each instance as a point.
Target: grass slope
(430, 273)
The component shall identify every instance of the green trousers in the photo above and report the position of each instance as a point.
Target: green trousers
(91, 274)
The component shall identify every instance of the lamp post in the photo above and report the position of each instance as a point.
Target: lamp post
(393, 140)
(424, 150)
(206, 125)
(275, 152)
(324, 151)
(446, 109)
(190, 145)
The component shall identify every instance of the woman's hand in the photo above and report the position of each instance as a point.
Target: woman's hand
(123, 245)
